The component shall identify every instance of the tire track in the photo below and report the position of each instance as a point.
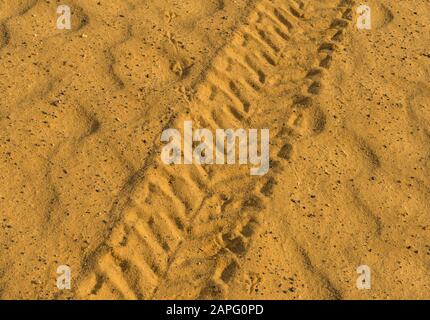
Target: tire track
(186, 226)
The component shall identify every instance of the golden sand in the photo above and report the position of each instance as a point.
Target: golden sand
(83, 185)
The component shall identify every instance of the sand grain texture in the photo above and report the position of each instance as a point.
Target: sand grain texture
(83, 184)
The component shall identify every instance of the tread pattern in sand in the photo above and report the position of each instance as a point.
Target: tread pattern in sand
(187, 226)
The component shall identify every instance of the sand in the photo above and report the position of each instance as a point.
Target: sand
(83, 183)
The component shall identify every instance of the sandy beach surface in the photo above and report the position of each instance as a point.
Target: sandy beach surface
(83, 184)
